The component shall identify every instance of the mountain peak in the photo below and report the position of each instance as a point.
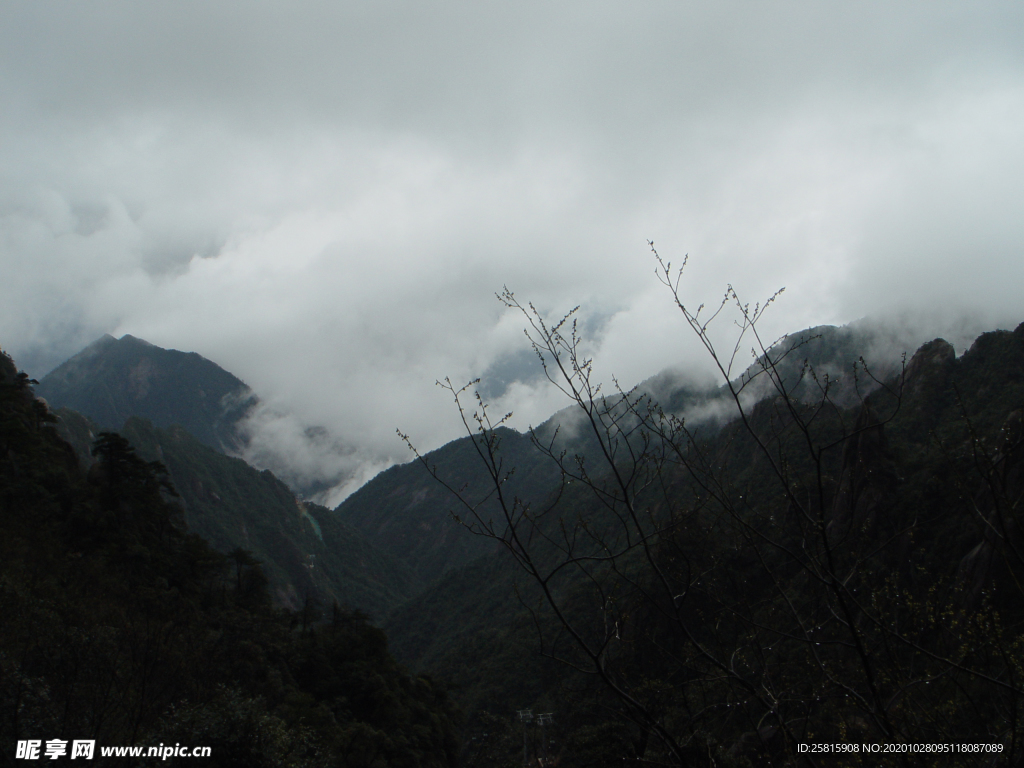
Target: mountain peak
(128, 338)
(113, 379)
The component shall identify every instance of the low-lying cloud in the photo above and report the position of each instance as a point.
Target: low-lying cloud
(324, 199)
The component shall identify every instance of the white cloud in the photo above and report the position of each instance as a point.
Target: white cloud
(323, 198)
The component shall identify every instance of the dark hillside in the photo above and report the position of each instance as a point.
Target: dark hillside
(305, 550)
(121, 627)
(406, 513)
(113, 379)
(916, 503)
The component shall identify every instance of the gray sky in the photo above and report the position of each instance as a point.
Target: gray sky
(323, 197)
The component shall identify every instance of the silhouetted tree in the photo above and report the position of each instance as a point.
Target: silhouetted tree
(744, 590)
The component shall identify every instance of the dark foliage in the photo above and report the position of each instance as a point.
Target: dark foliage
(120, 626)
(305, 549)
(406, 514)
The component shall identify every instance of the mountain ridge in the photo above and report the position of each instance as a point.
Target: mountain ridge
(113, 379)
(925, 489)
(306, 551)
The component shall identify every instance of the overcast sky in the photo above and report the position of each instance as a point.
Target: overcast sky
(324, 197)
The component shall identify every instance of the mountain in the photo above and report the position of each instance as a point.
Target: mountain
(177, 408)
(836, 569)
(403, 515)
(121, 627)
(305, 549)
(843, 571)
(113, 379)
(405, 512)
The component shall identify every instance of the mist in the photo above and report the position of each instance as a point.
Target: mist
(324, 199)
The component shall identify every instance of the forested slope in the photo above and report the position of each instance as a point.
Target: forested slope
(121, 626)
(821, 572)
(306, 550)
(405, 512)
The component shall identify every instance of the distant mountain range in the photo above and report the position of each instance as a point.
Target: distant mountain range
(922, 498)
(168, 402)
(407, 513)
(924, 512)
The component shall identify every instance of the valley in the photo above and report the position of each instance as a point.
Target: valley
(811, 551)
